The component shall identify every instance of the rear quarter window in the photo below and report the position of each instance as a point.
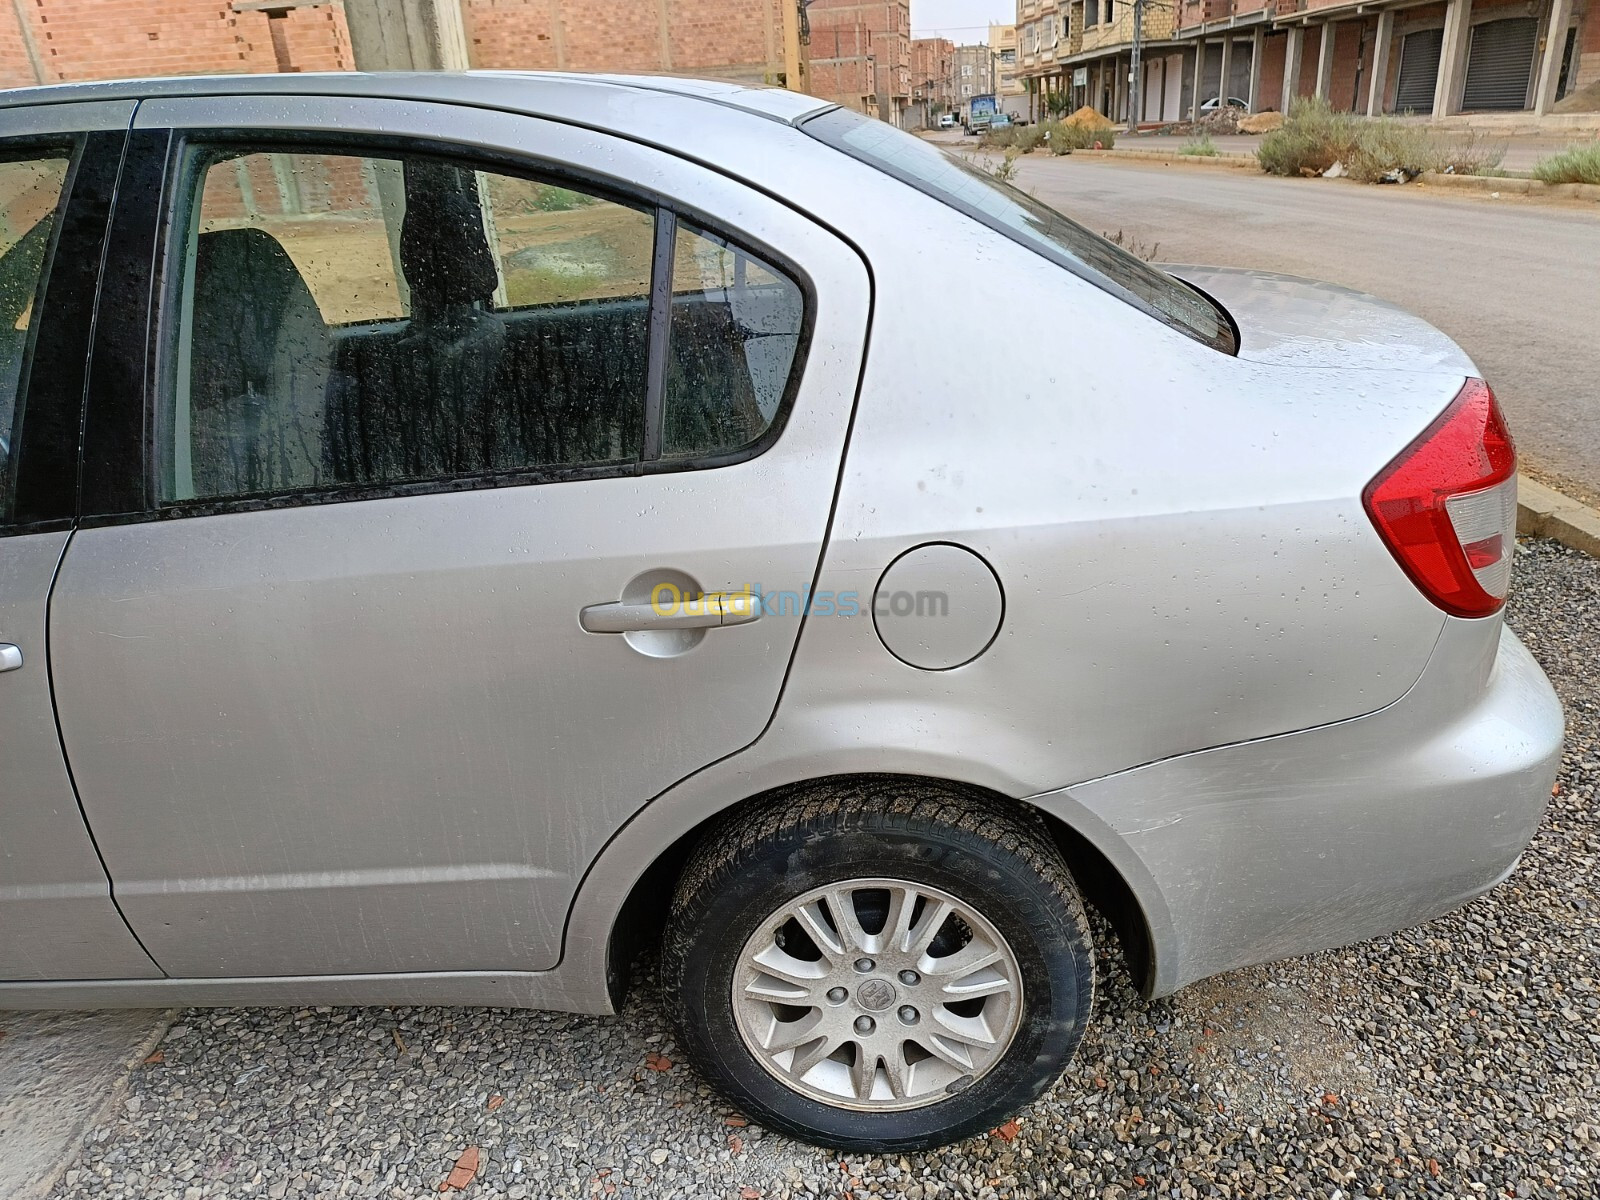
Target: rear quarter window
(953, 180)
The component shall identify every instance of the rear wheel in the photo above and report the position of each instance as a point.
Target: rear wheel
(879, 965)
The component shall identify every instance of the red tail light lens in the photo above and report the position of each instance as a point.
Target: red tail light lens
(1447, 506)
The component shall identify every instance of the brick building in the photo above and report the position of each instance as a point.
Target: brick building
(49, 41)
(1439, 57)
(723, 39)
(861, 55)
(972, 75)
(1010, 92)
(932, 79)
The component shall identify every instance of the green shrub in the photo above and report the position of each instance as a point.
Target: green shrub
(1312, 139)
(1065, 137)
(1385, 145)
(1028, 138)
(559, 199)
(1200, 147)
(1575, 164)
(1021, 138)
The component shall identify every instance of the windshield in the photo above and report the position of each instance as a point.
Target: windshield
(969, 189)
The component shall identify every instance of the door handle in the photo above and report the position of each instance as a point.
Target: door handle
(710, 611)
(10, 658)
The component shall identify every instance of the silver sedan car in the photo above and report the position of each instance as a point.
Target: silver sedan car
(462, 531)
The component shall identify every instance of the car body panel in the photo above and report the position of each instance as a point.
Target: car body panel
(371, 736)
(1293, 322)
(57, 920)
(1178, 533)
(1193, 591)
(776, 102)
(1469, 783)
(1316, 839)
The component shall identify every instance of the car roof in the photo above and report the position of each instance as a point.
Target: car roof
(533, 92)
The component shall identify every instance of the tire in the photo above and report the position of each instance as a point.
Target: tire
(932, 849)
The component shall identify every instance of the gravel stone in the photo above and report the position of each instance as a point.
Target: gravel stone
(1459, 1058)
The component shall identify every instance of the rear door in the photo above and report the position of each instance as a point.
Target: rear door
(419, 387)
(58, 167)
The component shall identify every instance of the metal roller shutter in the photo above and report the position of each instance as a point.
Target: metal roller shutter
(1419, 70)
(1500, 64)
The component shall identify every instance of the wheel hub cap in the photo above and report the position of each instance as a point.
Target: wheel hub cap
(877, 994)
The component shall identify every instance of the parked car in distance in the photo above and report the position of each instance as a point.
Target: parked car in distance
(1215, 103)
(947, 121)
(492, 523)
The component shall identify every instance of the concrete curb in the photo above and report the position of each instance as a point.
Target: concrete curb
(1544, 512)
(1174, 158)
(95, 1093)
(1514, 186)
(111, 1105)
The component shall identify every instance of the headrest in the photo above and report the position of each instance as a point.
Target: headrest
(444, 250)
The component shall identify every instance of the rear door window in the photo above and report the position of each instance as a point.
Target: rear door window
(735, 331)
(353, 321)
(370, 321)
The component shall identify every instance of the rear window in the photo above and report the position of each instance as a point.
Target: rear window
(966, 188)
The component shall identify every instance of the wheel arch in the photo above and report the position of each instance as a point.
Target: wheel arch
(623, 901)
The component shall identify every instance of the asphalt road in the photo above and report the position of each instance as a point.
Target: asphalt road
(1516, 283)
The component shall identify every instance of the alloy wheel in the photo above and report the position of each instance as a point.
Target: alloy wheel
(877, 994)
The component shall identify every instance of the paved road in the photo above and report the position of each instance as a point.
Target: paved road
(1517, 283)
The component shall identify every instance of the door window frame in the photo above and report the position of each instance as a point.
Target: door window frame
(140, 349)
(42, 468)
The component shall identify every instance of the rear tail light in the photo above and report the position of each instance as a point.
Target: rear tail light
(1447, 506)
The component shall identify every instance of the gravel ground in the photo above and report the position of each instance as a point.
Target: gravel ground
(1457, 1059)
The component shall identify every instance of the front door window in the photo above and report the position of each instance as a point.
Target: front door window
(30, 192)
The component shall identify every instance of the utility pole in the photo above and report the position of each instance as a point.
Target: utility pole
(1135, 69)
(30, 47)
(405, 35)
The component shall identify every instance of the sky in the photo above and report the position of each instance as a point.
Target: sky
(960, 20)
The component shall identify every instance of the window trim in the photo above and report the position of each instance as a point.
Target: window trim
(41, 472)
(664, 256)
(163, 267)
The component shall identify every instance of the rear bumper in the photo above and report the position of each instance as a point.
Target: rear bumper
(1286, 845)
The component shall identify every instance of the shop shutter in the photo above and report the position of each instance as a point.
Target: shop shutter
(1500, 64)
(1419, 71)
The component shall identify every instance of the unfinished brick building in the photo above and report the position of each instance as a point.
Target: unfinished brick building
(50, 41)
(1442, 58)
(861, 55)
